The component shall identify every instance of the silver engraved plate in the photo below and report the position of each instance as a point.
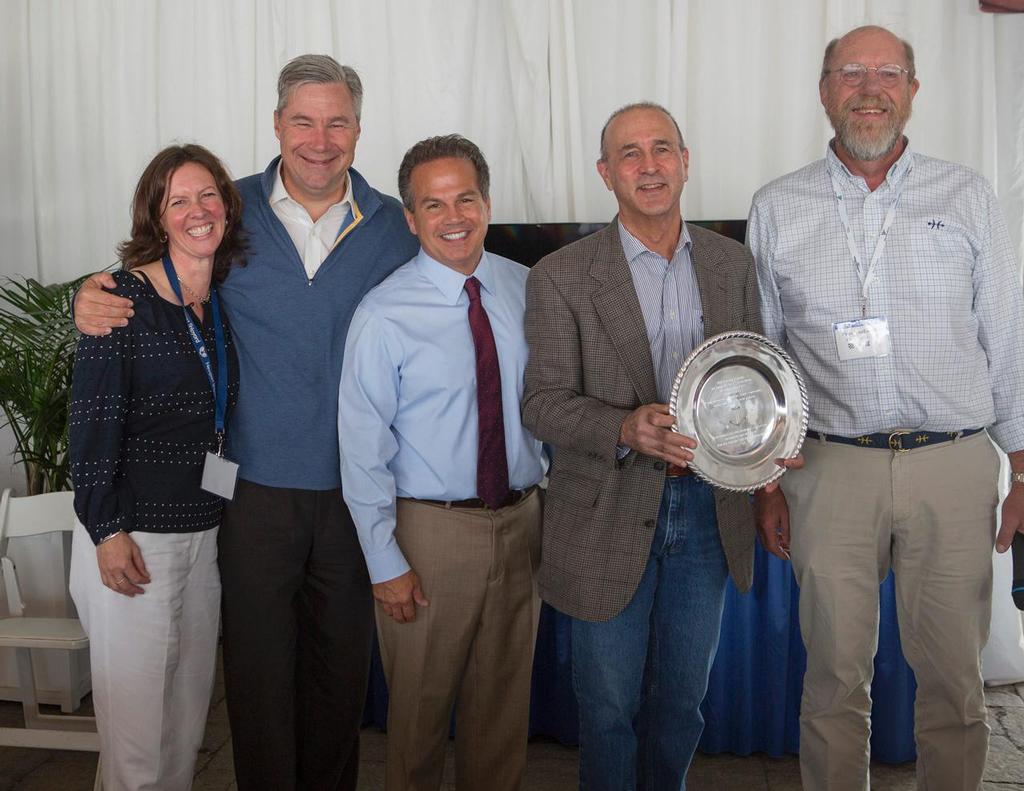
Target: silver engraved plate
(740, 396)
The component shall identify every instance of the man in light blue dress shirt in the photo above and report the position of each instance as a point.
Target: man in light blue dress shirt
(890, 279)
(453, 577)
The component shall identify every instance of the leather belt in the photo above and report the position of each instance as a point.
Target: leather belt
(675, 471)
(514, 496)
(899, 441)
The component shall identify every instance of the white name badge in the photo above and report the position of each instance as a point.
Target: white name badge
(219, 476)
(860, 338)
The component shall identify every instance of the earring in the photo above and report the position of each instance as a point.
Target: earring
(163, 238)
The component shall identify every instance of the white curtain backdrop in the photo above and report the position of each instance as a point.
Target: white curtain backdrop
(91, 89)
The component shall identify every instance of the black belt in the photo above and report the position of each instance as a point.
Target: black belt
(899, 441)
(514, 497)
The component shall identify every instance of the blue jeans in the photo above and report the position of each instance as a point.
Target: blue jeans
(641, 676)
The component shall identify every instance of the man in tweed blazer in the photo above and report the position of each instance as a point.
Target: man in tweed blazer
(635, 549)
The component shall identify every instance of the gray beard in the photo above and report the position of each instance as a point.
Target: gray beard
(868, 149)
(862, 144)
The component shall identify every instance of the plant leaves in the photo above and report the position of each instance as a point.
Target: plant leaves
(37, 354)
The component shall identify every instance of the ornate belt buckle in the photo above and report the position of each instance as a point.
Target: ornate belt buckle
(896, 441)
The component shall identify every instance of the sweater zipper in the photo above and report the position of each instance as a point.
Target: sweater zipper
(357, 217)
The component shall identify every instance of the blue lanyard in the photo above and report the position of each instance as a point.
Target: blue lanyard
(219, 384)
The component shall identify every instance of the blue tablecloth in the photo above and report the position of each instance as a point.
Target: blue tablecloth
(753, 699)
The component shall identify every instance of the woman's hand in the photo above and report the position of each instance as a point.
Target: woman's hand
(122, 568)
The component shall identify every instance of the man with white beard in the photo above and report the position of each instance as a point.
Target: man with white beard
(890, 279)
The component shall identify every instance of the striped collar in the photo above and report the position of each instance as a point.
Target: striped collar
(634, 248)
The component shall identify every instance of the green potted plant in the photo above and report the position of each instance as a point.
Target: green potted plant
(37, 354)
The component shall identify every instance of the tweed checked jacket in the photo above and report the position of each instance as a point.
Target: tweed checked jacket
(590, 366)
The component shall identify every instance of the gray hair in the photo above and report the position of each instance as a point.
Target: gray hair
(638, 106)
(319, 70)
(444, 147)
(830, 48)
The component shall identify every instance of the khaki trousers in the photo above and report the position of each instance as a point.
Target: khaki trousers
(929, 514)
(471, 648)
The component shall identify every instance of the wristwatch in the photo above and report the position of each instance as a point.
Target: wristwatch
(1016, 477)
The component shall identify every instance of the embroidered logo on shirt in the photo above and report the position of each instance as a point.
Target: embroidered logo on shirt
(936, 224)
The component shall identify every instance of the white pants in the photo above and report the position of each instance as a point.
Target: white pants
(153, 657)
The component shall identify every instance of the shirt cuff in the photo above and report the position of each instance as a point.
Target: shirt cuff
(119, 524)
(1008, 435)
(387, 563)
(622, 451)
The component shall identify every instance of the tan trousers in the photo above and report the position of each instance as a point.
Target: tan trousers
(929, 514)
(471, 648)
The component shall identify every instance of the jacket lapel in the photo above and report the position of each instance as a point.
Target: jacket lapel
(618, 307)
(711, 284)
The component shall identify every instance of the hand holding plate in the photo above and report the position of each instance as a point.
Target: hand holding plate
(649, 430)
(741, 397)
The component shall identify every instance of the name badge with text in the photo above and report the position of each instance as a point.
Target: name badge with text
(867, 337)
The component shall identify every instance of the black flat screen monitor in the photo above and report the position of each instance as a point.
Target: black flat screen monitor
(528, 243)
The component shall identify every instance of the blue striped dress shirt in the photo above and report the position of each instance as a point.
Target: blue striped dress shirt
(670, 302)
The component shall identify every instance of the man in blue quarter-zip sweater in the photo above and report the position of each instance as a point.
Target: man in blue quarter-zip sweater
(297, 605)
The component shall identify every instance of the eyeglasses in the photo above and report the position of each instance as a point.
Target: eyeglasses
(856, 74)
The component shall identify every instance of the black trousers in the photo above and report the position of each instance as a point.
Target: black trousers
(297, 627)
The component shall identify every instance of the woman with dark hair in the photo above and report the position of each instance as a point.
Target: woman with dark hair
(148, 407)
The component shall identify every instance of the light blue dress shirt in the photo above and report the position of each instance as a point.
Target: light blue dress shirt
(407, 413)
(670, 303)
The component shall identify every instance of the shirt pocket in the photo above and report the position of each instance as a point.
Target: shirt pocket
(936, 270)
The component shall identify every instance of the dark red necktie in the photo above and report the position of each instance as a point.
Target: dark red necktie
(491, 464)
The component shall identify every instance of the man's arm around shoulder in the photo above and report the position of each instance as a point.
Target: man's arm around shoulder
(97, 311)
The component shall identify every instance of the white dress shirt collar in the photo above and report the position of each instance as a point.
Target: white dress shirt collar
(313, 240)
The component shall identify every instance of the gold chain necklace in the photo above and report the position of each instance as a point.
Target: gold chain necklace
(193, 294)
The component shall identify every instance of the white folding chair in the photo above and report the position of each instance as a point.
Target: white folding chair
(33, 516)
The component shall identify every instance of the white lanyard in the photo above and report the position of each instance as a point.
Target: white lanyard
(867, 276)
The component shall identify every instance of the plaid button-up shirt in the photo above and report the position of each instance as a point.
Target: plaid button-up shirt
(947, 283)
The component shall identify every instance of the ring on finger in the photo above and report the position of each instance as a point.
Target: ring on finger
(120, 581)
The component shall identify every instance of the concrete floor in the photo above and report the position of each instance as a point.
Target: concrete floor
(550, 766)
